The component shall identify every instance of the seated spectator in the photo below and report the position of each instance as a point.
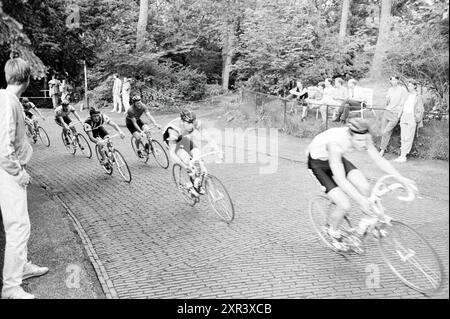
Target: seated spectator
(340, 91)
(327, 98)
(300, 94)
(354, 101)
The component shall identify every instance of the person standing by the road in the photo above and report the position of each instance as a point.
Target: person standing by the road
(54, 88)
(117, 91)
(410, 119)
(395, 99)
(15, 152)
(126, 89)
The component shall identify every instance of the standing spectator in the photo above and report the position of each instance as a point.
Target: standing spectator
(411, 118)
(126, 89)
(54, 90)
(64, 88)
(301, 94)
(15, 152)
(354, 100)
(117, 91)
(395, 100)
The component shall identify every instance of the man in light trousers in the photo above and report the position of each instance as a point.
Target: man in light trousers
(117, 91)
(15, 152)
(394, 105)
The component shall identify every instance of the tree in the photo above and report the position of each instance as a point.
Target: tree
(344, 19)
(383, 37)
(142, 25)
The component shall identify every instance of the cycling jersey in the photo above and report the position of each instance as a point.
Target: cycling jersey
(133, 112)
(28, 106)
(318, 155)
(97, 128)
(318, 148)
(173, 132)
(59, 112)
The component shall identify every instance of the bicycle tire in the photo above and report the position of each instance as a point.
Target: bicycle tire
(180, 183)
(84, 146)
(69, 147)
(159, 151)
(144, 157)
(43, 136)
(318, 214)
(394, 235)
(212, 183)
(122, 166)
(106, 167)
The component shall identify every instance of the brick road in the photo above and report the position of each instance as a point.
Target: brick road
(150, 244)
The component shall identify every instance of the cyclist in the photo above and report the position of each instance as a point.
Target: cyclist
(62, 118)
(95, 130)
(339, 177)
(27, 107)
(177, 135)
(134, 122)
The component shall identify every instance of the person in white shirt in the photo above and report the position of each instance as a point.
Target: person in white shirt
(54, 90)
(353, 102)
(301, 94)
(117, 91)
(410, 119)
(126, 90)
(15, 152)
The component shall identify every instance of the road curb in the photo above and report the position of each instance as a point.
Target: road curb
(105, 282)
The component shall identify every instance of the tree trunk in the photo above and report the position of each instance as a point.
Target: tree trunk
(382, 42)
(344, 19)
(142, 25)
(227, 55)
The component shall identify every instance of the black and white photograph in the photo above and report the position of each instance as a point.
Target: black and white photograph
(224, 155)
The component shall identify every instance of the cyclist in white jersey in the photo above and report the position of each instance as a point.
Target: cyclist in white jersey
(338, 176)
(177, 135)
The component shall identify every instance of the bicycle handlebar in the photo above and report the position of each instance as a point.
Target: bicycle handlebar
(381, 189)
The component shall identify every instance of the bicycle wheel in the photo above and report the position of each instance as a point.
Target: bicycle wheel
(106, 167)
(320, 208)
(159, 153)
(219, 198)
(69, 146)
(122, 166)
(43, 136)
(144, 155)
(411, 257)
(182, 179)
(84, 146)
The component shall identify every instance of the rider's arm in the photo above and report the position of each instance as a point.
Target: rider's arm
(337, 167)
(77, 116)
(133, 120)
(38, 112)
(116, 127)
(151, 118)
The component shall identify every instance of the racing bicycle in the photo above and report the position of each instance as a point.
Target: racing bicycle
(37, 131)
(410, 257)
(113, 157)
(218, 196)
(150, 146)
(76, 141)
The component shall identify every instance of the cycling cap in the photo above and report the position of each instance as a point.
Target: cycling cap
(188, 116)
(358, 126)
(93, 111)
(135, 98)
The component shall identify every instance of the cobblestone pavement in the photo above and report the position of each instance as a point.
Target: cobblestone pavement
(150, 244)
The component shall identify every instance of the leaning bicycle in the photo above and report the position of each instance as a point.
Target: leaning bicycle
(37, 131)
(218, 196)
(74, 141)
(410, 257)
(112, 157)
(148, 146)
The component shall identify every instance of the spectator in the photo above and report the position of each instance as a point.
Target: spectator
(354, 101)
(340, 91)
(117, 91)
(15, 152)
(411, 118)
(301, 95)
(126, 89)
(395, 100)
(54, 90)
(64, 88)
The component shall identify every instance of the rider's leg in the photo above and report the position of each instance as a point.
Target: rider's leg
(358, 180)
(343, 205)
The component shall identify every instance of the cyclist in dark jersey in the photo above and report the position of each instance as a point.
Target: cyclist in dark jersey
(134, 122)
(62, 118)
(94, 126)
(27, 107)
